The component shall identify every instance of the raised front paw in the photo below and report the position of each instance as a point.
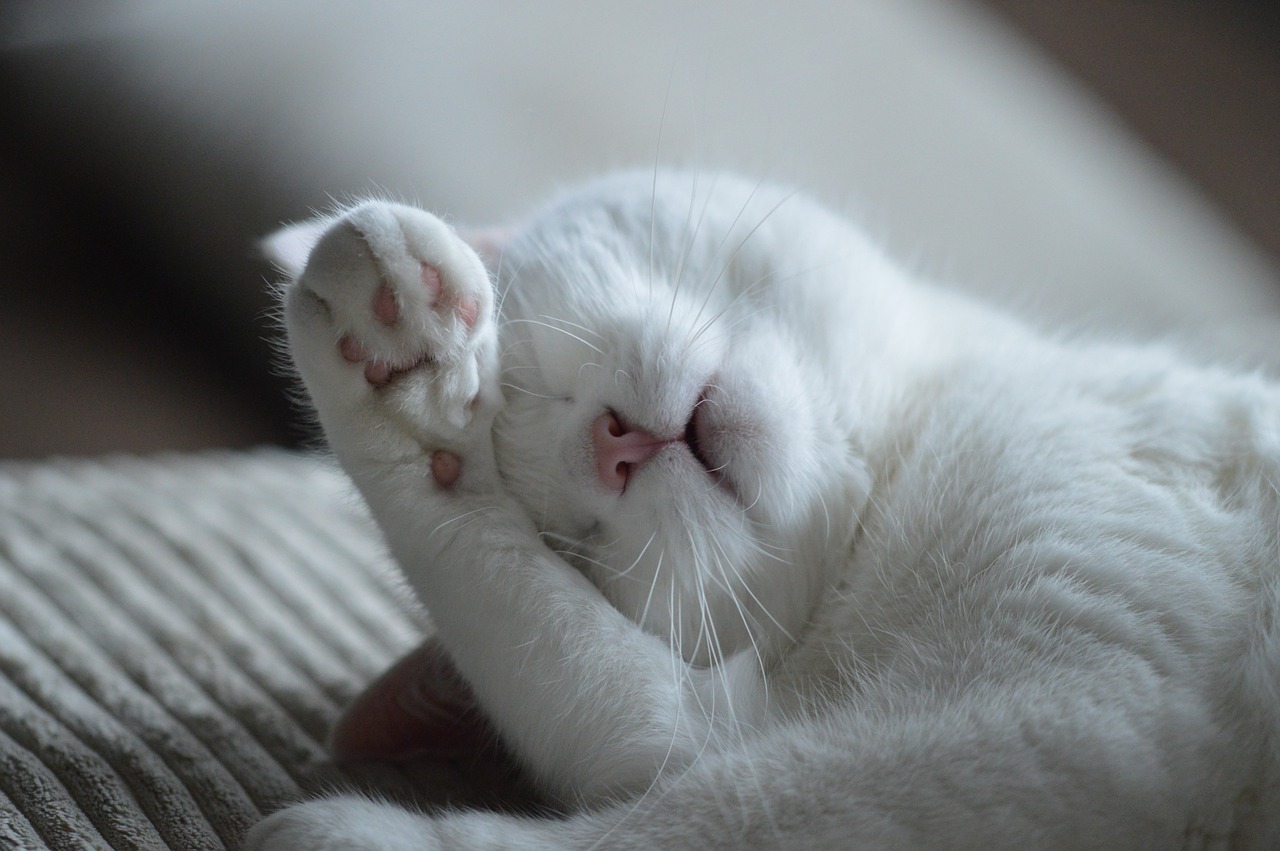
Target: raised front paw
(391, 326)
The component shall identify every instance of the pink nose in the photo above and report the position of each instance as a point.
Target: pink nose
(619, 450)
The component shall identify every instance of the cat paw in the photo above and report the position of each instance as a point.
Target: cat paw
(347, 823)
(391, 326)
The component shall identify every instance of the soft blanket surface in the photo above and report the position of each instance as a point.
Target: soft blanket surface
(177, 635)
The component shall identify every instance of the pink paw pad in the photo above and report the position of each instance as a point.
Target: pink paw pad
(468, 310)
(352, 351)
(377, 373)
(385, 307)
(431, 280)
(446, 468)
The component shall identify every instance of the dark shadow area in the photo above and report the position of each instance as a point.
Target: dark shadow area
(134, 311)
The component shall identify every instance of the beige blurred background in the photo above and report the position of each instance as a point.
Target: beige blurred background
(1112, 166)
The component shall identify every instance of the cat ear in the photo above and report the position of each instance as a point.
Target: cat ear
(419, 707)
(289, 247)
(488, 243)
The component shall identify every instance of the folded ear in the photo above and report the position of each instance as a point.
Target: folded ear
(488, 243)
(419, 707)
(289, 247)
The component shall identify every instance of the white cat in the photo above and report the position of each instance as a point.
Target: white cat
(743, 538)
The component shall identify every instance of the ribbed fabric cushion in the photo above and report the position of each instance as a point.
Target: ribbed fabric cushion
(177, 634)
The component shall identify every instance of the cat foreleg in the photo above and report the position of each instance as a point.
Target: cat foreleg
(391, 325)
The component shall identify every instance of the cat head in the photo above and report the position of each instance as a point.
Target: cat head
(672, 423)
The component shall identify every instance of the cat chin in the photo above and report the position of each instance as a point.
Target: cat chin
(687, 582)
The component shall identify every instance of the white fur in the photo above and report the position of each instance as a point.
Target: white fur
(967, 586)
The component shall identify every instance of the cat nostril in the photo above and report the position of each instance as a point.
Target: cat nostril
(619, 450)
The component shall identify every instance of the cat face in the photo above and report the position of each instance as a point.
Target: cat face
(668, 424)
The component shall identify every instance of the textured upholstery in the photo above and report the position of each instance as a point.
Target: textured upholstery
(177, 634)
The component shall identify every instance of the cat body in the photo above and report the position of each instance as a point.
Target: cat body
(742, 537)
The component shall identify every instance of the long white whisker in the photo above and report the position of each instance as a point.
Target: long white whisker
(747, 623)
(686, 249)
(734, 254)
(653, 584)
(528, 392)
(739, 319)
(561, 319)
(591, 346)
(453, 520)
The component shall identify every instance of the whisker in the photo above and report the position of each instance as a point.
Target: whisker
(657, 160)
(744, 295)
(561, 319)
(687, 248)
(526, 391)
(759, 492)
(734, 254)
(591, 346)
(643, 550)
(653, 584)
(452, 520)
(822, 500)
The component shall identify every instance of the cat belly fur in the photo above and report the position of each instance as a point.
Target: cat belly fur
(1083, 550)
